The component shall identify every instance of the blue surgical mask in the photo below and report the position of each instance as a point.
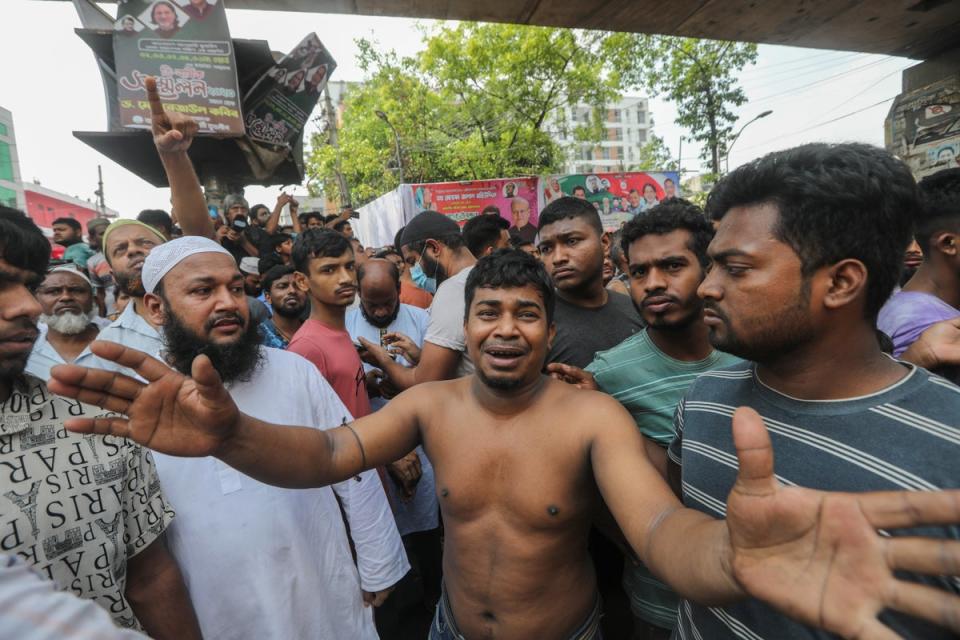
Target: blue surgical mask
(421, 280)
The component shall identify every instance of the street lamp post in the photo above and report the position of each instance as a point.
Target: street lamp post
(396, 140)
(762, 115)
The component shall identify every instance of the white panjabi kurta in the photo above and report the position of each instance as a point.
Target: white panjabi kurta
(265, 562)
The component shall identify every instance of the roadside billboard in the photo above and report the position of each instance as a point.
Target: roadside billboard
(186, 45)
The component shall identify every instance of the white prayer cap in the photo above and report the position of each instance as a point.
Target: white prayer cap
(250, 265)
(70, 268)
(164, 257)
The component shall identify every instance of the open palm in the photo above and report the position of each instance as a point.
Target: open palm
(173, 414)
(817, 556)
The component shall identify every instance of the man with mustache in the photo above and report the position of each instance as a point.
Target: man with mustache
(809, 246)
(68, 323)
(86, 512)
(127, 243)
(383, 320)
(288, 303)
(521, 462)
(283, 555)
(649, 372)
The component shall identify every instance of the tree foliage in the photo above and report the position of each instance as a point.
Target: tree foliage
(655, 155)
(701, 78)
(478, 102)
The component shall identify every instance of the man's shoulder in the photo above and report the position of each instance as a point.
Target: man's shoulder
(635, 346)
(416, 313)
(904, 306)
(722, 381)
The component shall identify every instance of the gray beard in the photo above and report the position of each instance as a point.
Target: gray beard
(68, 323)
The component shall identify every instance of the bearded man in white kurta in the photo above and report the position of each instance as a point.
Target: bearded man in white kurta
(260, 561)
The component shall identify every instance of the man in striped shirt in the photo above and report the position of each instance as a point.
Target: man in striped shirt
(809, 246)
(649, 372)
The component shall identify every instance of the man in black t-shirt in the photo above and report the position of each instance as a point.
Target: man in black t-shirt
(589, 317)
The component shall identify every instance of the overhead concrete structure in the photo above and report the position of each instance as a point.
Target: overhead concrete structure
(917, 29)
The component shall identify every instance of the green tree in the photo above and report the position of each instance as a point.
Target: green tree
(655, 155)
(701, 78)
(480, 101)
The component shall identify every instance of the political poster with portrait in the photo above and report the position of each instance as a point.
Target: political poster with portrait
(616, 196)
(279, 104)
(515, 198)
(186, 45)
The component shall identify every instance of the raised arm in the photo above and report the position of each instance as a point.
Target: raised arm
(815, 556)
(195, 416)
(172, 134)
(274, 220)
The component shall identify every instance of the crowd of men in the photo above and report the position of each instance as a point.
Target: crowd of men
(738, 422)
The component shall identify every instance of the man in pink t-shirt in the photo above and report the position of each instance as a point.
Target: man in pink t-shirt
(326, 271)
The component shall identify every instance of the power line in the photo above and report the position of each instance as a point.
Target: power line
(817, 82)
(818, 125)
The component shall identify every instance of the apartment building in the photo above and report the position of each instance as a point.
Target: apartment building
(627, 128)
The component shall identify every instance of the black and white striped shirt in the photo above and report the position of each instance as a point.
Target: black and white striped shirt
(905, 437)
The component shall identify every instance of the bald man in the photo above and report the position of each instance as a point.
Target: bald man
(520, 211)
(382, 319)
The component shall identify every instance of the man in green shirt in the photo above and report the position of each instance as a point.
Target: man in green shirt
(68, 233)
(649, 372)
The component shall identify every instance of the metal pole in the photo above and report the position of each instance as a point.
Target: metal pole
(335, 143)
(736, 137)
(396, 141)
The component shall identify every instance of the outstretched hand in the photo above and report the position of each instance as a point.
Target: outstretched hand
(172, 413)
(817, 557)
(172, 132)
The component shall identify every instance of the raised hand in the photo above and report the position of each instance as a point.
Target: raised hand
(572, 375)
(171, 414)
(172, 132)
(817, 557)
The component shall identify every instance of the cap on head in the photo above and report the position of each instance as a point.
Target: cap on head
(428, 225)
(250, 265)
(116, 224)
(71, 269)
(166, 256)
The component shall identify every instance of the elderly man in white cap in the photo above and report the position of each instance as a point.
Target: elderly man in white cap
(126, 243)
(250, 268)
(68, 323)
(282, 555)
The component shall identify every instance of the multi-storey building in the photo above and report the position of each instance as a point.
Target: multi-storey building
(627, 128)
(11, 192)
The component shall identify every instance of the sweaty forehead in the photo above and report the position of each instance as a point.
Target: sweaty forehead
(218, 267)
(509, 295)
(653, 247)
(132, 233)
(747, 229)
(566, 226)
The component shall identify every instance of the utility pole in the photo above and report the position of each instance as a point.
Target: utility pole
(335, 143)
(101, 203)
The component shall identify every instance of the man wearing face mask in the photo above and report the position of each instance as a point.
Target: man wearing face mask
(433, 240)
(412, 290)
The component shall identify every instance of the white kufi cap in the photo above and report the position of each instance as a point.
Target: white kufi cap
(166, 256)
